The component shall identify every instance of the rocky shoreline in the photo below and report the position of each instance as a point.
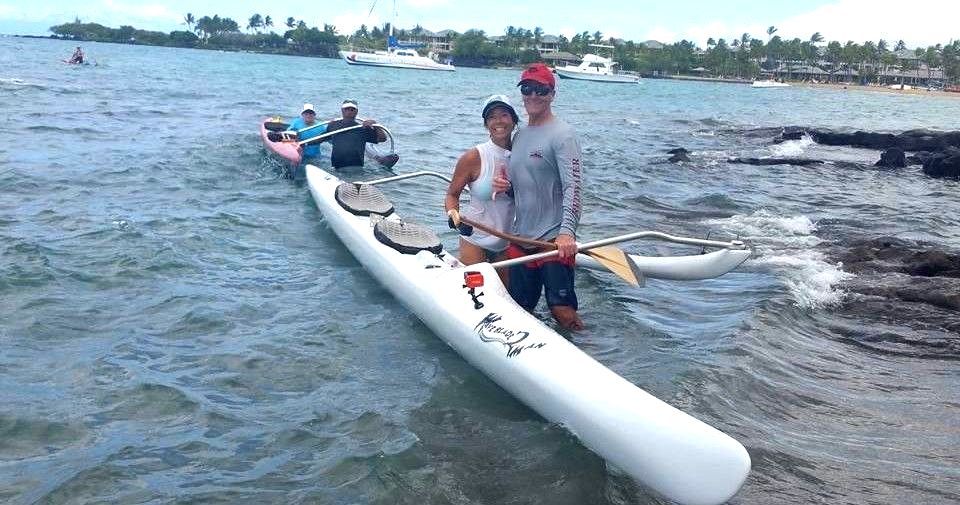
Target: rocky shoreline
(938, 152)
(913, 286)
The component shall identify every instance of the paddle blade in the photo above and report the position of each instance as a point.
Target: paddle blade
(618, 262)
(389, 160)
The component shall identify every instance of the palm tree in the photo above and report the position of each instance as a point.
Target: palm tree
(268, 22)
(816, 38)
(189, 20)
(256, 21)
(291, 22)
(597, 37)
(770, 31)
(537, 35)
(900, 46)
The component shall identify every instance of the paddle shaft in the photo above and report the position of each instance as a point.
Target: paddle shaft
(324, 136)
(516, 239)
(735, 244)
(318, 125)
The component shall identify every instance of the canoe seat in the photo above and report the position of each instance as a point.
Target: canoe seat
(275, 126)
(407, 237)
(362, 199)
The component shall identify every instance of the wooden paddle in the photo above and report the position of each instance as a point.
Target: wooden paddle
(613, 258)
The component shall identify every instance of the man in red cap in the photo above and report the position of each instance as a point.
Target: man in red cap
(544, 177)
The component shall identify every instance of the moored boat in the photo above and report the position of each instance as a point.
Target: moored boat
(397, 55)
(660, 446)
(596, 68)
(768, 83)
(395, 58)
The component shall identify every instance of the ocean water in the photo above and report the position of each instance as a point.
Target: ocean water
(178, 324)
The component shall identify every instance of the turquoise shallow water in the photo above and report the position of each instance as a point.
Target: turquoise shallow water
(178, 325)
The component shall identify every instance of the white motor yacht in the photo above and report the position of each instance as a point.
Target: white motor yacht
(596, 68)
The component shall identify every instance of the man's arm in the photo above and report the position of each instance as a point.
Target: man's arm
(569, 165)
(376, 135)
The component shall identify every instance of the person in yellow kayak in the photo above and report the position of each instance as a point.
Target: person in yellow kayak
(475, 170)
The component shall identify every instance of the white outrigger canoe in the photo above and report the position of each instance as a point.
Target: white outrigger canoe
(658, 445)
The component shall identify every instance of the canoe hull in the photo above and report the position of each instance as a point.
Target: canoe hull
(287, 151)
(673, 453)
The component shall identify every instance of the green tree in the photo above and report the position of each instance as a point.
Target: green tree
(189, 20)
(255, 22)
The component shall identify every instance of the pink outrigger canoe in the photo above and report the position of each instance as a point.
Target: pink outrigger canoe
(288, 151)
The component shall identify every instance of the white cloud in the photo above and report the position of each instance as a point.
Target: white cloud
(660, 34)
(918, 22)
(140, 11)
(426, 3)
(567, 32)
(21, 12)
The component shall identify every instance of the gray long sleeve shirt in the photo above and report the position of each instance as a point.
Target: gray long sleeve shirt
(545, 174)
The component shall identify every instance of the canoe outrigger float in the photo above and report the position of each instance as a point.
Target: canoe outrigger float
(669, 451)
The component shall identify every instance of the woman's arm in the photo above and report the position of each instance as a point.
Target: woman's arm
(466, 171)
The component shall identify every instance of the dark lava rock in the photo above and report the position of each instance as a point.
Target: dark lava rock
(911, 140)
(790, 133)
(677, 155)
(918, 158)
(892, 158)
(943, 164)
(869, 140)
(890, 254)
(777, 161)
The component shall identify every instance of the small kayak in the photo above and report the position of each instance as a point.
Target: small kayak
(287, 150)
(671, 452)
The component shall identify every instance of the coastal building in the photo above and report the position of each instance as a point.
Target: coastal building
(549, 44)
(439, 42)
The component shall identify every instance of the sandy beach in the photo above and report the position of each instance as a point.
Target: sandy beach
(822, 85)
(878, 89)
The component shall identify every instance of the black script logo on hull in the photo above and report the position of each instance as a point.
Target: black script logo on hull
(513, 340)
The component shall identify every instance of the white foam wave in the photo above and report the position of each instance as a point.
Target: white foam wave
(764, 224)
(791, 147)
(14, 81)
(783, 245)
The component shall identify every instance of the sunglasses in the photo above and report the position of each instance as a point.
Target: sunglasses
(539, 89)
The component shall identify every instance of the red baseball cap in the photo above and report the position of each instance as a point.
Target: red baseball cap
(540, 73)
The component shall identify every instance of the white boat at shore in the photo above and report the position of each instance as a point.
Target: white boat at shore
(675, 454)
(596, 68)
(769, 83)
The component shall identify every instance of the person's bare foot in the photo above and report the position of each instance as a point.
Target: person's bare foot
(567, 317)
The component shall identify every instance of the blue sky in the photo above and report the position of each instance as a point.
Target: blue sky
(917, 22)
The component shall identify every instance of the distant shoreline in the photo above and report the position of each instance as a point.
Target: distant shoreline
(822, 85)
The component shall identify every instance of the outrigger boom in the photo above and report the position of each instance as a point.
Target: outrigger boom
(733, 244)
